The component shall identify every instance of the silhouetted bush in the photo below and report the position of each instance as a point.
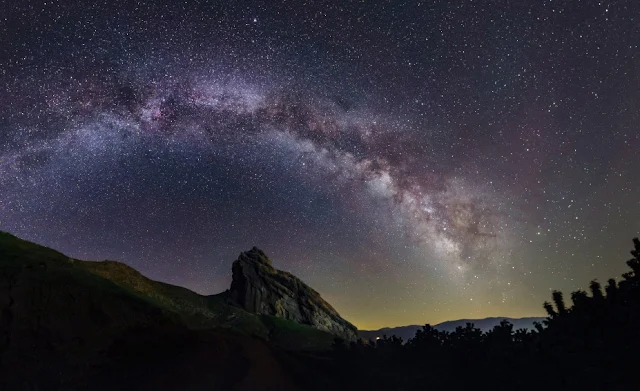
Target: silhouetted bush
(592, 345)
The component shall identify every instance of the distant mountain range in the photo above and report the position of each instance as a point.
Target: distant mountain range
(486, 324)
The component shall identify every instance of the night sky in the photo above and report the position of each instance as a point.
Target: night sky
(414, 162)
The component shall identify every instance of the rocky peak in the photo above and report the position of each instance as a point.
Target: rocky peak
(255, 255)
(260, 288)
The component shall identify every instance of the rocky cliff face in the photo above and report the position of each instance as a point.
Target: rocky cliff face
(67, 324)
(260, 288)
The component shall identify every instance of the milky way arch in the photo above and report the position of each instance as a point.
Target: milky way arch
(417, 161)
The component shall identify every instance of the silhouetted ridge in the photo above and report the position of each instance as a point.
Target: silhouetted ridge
(65, 322)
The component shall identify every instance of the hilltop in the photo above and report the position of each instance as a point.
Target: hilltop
(69, 321)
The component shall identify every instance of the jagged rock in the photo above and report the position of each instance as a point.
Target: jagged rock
(260, 288)
(68, 324)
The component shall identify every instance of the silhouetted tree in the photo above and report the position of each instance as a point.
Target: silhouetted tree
(611, 289)
(586, 346)
(596, 290)
(559, 301)
(579, 298)
(634, 263)
(538, 326)
(549, 308)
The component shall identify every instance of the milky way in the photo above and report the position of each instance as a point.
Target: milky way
(414, 163)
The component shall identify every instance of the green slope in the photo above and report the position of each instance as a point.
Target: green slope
(196, 312)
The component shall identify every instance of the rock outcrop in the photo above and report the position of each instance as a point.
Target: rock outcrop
(68, 324)
(259, 288)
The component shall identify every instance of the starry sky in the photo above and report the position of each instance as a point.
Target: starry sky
(413, 161)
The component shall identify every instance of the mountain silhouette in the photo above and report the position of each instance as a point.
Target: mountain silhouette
(485, 324)
(67, 322)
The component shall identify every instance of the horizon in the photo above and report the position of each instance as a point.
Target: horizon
(411, 162)
(454, 320)
(275, 265)
(359, 328)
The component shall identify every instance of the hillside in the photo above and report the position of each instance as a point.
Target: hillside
(68, 321)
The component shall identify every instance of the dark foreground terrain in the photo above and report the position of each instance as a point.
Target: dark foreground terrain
(67, 324)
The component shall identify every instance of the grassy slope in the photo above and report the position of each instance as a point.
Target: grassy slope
(196, 311)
